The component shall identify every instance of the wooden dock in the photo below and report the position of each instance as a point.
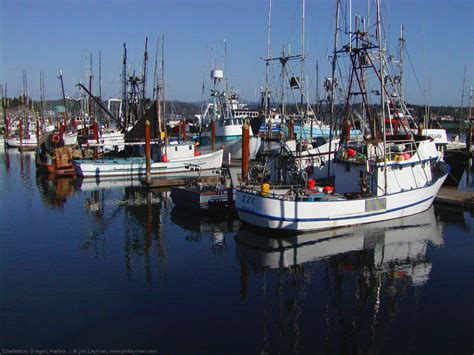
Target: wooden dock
(452, 197)
(156, 183)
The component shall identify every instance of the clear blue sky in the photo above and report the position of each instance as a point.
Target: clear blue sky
(51, 34)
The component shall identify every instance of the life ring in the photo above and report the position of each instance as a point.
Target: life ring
(55, 138)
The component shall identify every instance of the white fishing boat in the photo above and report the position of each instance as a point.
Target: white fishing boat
(109, 140)
(15, 142)
(229, 138)
(31, 142)
(386, 175)
(166, 160)
(228, 118)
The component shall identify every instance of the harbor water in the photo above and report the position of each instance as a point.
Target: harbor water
(89, 266)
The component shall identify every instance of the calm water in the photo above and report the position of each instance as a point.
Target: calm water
(92, 267)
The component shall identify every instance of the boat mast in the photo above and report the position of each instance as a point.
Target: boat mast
(145, 60)
(100, 81)
(462, 92)
(332, 84)
(90, 87)
(401, 83)
(41, 93)
(60, 77)
(317, 101)
(266, 92)
(163, 80)
(156, 69)
(301, 84)
(124, 87)
(382, 91)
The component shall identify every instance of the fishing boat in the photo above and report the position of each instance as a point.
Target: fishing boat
(166, 159)
(213, 194)
(225, 119)
(389, 173)
(55, 153)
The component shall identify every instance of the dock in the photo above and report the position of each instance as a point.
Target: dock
(154, 183)
(452, 197)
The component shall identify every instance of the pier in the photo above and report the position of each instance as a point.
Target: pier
(453, 197)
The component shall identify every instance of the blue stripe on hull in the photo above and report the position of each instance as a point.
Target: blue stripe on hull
(329, 218)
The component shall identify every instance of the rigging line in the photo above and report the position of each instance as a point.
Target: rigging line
(414, 74)
(292, 24)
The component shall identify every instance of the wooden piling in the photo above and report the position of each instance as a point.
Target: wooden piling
(183, 130)
(37, 133)
(96, 137)
(213, 135)
(7, 127)
(20, 131)
(291, 129)
(96, 131)
(245, 150)
(147, 150)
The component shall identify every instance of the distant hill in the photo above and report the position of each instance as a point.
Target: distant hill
(189, 109)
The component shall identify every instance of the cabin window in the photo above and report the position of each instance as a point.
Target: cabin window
(190, 147)
(229, 122)
(175, 149)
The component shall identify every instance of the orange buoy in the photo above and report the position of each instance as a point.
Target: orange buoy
(406, 156)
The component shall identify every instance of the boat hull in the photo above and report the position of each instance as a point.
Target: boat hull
(276, 213)
(137, 166)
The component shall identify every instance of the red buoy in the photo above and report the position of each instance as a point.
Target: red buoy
(164, 158)
(328, 189)
(311, 184)
(351, 152)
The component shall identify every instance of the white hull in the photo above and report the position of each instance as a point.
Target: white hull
(26, 143)
(234, 147)
(274, 212)
(137, 166)
(108, 141)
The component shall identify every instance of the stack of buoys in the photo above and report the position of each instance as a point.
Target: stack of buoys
(164, 158)
(328, 189)
(402, 157)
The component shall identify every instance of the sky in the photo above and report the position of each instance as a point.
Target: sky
(48, 35)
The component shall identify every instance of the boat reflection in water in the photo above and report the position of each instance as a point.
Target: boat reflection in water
(55, 190)
(398, 243)
(360, 279)
(216, 227)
